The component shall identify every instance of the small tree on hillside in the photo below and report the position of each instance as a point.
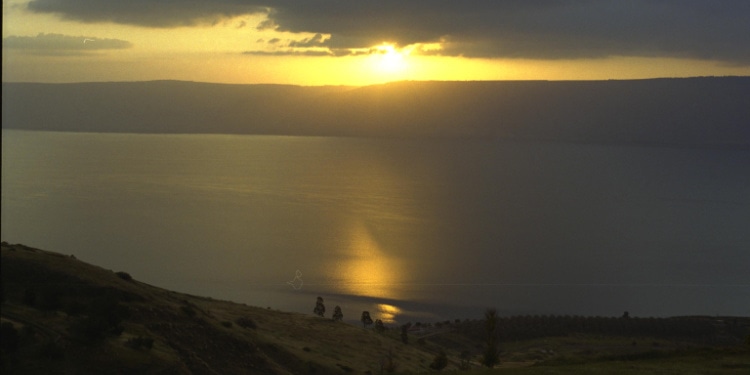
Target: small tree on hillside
(379, 326)
(405, 332)
(491, 355)
(366, 320)
(337, 314)
(320, 308)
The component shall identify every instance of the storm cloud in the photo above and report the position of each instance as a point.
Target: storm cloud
(59, 44)
(147, 12)
(543, 29)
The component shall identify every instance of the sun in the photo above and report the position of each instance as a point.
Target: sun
(387, 59)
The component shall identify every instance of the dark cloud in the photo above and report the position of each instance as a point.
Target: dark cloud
(58, 44)
(545, 29)
(151, 13)
(316, 41)
(290, 53)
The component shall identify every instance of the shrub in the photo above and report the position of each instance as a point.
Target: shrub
(440, 361)
(405, 333)
(337, 314)
(124, 275)
(103, 318)
(365, 319)
(188, 310)
(320, 308)
(379, 326)
(246, 322)
(491, 356)
(41, 299)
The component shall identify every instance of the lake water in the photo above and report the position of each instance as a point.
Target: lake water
(411, 230)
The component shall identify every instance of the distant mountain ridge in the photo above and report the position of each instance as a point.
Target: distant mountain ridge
(700, 112)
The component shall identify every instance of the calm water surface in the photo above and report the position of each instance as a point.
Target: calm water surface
(407, 229)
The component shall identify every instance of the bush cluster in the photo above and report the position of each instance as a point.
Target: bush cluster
(246, 322)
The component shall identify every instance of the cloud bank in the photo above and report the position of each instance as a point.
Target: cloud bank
(541, 29)
(59, 44)
(150, 13)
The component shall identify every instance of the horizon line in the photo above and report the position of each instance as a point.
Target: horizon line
(383, 83)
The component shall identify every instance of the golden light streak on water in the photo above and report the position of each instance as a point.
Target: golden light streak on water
(387, 313)
(366, 269)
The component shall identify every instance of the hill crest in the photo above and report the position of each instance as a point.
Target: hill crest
(78, 317)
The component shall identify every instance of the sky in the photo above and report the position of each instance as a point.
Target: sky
(360, 42)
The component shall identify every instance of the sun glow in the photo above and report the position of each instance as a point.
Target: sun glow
(389, 60)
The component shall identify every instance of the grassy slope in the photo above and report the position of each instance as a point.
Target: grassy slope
(192, 334)
(202, 336)
(695, 362)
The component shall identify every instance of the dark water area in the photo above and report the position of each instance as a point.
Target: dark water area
(407, 229)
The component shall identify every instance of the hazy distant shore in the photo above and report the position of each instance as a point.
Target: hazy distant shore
(696, 112)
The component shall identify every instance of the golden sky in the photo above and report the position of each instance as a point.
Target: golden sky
(333, 44)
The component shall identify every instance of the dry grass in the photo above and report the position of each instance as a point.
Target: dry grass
(194, 333)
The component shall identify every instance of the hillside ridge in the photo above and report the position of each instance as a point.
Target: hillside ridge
(77, 317)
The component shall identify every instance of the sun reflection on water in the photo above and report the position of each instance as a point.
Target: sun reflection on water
(365, 268)
(388, 313)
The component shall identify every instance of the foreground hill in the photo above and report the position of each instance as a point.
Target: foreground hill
(704, 112)
(63, 316)
(71, 317)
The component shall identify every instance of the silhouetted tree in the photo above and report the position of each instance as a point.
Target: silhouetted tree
(337, 314)
(366, 319)
(405, 332)
(440, 361)
(246, 322)
(625, 315)
(379, 327)
(320, 308)
(491, 355)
